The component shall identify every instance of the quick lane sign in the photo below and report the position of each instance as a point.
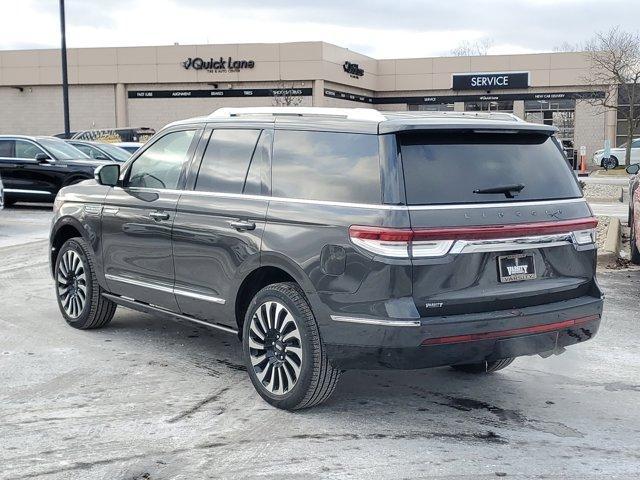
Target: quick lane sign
(490, 81)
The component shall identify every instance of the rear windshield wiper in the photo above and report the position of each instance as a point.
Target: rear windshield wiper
(510, 191)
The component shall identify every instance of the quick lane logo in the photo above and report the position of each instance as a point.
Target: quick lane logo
(221, 65)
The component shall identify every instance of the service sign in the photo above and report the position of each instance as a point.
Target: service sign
(490, 81)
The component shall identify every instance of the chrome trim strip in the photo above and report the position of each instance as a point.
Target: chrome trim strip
(128, 302)
(533, 203)
(366, 205)
(518, 243)
(199, 296)
(18, 190)
(376, 321)
(167, 289)
(138, 283)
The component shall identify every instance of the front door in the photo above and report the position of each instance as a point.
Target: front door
(137, 219)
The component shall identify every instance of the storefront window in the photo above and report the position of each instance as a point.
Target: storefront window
(560, 113)
(438, 107)
(489, 106)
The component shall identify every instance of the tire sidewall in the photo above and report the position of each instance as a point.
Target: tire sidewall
(76, 246)
(304, 323)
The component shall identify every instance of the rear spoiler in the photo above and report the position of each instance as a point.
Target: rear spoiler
(395, 126)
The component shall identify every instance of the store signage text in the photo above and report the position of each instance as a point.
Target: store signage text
(489, 81)
(353, 69)
(219, 65)
(226, 93)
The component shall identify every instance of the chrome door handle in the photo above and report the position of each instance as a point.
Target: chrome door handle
(159, 216)
(242, 225)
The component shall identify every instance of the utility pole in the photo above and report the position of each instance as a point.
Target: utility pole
(65, 79)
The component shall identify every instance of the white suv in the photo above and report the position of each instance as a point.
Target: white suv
(617, 154)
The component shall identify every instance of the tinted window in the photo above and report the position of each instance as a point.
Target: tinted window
(60, 149)
(7, 148)
(259, 167)
(90, 151)
(226, 160)
(442, 167)
(160, 165)
(342, 167)
(26, 149)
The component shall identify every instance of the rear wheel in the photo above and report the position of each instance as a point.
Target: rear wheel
(283, 351)
(484, 367)
(77, 290)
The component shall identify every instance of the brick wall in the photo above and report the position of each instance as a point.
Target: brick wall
(38, 110)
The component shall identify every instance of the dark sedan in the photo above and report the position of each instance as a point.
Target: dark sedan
(101, 150)
(634, 211)
(33, 169)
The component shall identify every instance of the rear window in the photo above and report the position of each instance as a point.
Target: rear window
(340, 167)
(448, 167)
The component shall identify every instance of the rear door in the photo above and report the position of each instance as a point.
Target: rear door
(219, 221)
(493, 215)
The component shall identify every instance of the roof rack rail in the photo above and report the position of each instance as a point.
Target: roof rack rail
(363, 114)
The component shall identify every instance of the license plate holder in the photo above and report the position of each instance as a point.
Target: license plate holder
(516, 267)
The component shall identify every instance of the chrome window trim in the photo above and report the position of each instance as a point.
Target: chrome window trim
(370, 206)
(376, 321)
(163, 288)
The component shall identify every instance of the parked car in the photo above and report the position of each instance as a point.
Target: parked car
(35, 168)
(1, 194)
(634, 211)
(617, 155)
(131, 147)
(333, 239)
(101, 150)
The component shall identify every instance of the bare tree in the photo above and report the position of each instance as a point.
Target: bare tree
(615, 62)
(286, 95)
(477, 48)
(568, 47)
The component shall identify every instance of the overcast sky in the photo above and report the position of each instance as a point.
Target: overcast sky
(380, 28)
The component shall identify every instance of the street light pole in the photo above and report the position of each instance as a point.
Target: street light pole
(65, 79)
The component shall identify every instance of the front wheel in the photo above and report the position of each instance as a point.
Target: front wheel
(484, 367)
(283, 350)
(79, 295)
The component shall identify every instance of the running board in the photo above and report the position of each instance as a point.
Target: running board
(146, 308)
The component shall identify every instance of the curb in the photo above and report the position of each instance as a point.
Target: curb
(609, 252)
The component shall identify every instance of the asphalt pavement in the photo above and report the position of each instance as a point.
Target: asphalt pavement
(148, 398)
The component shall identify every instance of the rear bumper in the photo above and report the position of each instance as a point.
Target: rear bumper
(438, 341)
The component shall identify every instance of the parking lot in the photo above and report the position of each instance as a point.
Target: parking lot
(149, 398)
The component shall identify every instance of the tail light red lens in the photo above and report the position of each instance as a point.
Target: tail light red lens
(436, 242)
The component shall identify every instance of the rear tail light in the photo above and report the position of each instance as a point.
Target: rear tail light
(436, 242)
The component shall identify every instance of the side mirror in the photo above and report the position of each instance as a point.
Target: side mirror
(107, 174)
(633, 169)
(42, 157)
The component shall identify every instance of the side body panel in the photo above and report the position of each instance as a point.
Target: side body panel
(211, 255)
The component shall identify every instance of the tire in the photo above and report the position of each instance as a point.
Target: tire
(75, 278)
(611, 164)
(484, 367)
(283, 352)
(635, 253)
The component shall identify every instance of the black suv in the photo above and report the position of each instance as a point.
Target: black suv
(332, 239)
(33, 169)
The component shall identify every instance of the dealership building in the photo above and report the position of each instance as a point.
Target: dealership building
(152, 86)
